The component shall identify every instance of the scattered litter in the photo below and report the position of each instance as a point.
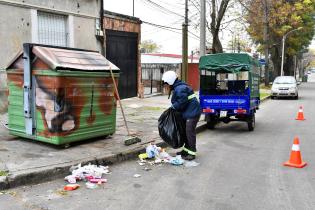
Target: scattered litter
(91, 174)
(71, 179)
(153, 151)
(191, 164)
(143, 156)
(2, 192)
(87, 172)
(70, 187)
(141, 163)
(177, 160)
(158, 160)
(90, 185)
(147, 169)
(164, 155)
(98, 181)
(136, 175)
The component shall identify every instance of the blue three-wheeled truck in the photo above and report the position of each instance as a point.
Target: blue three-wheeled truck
(229, 88)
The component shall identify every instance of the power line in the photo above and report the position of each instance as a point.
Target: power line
(163, 8)
(171, 29)
(161, 26)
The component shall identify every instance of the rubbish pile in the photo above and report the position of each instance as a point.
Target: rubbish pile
(157, 155)
(92, 175)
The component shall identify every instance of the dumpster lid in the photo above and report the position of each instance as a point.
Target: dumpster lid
(227, 62)
(57, 58)
(70, 59)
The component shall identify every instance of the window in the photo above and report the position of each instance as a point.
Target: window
(52, 29)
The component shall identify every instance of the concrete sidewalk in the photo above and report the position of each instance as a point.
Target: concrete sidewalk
(29, 162)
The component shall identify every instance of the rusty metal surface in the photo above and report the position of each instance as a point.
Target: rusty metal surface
(71, 59)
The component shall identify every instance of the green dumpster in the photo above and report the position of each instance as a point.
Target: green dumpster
(304, 78)
(61, 95)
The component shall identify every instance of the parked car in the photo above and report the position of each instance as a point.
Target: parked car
(284, 86)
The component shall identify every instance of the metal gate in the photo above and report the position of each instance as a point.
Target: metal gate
(122, 50)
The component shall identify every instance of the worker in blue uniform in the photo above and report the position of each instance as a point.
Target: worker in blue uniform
(184, 101)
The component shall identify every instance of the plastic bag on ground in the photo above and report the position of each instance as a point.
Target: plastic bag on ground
(172, 128)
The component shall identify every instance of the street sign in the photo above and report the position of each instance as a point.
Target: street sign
(262, 61)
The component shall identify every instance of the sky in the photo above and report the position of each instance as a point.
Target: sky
(168, 13)
(171, 39)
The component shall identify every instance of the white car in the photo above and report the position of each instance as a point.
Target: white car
(284, 86)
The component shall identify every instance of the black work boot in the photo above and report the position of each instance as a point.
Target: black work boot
(182, 153)
(189, 157)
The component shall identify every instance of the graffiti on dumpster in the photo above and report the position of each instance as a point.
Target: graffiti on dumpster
(61, 100)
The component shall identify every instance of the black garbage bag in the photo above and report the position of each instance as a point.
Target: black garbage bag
(172, 128)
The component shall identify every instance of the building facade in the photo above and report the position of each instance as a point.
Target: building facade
(55, 22)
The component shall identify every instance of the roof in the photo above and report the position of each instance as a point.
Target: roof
(165, 58)
(111, 14)
(227, 62)
(70, 59)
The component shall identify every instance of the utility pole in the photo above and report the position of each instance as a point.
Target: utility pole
(202, 27)
(133, 8)
(185, 45)
(266, 40)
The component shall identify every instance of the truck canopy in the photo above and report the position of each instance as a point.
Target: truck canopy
(228, 63)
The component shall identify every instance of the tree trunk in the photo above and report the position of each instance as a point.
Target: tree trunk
(216, 44)
(276, 58)
(216, 23)
(289, 66)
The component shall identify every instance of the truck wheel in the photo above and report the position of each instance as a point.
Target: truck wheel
(211, 121)
(251, 122)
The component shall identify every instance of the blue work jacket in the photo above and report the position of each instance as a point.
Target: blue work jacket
(184, 100)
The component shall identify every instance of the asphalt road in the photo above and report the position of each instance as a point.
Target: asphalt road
(238, 170)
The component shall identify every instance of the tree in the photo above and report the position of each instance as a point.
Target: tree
(216, 19)
(218, 9)
(149, 46)
(283, 16)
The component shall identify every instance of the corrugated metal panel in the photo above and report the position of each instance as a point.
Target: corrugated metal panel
(52, 29)
(58, 58)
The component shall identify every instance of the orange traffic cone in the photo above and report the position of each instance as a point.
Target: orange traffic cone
(300, 115)
(295, 157)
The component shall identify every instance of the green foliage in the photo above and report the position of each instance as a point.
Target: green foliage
(149, 46)
(283, 17)
(4, 173)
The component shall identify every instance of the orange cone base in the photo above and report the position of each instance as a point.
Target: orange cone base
(295, 165)
(300, 119)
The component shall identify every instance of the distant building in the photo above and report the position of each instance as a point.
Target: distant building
(153, 66)
(77, 24)
(63, 23)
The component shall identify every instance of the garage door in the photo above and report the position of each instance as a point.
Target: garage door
(121, 49)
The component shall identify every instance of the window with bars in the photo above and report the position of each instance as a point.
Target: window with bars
(52, 29)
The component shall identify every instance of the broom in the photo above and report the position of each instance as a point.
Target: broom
(130, 139)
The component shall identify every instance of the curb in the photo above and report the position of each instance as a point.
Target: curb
(62, 170)
(43, 175)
